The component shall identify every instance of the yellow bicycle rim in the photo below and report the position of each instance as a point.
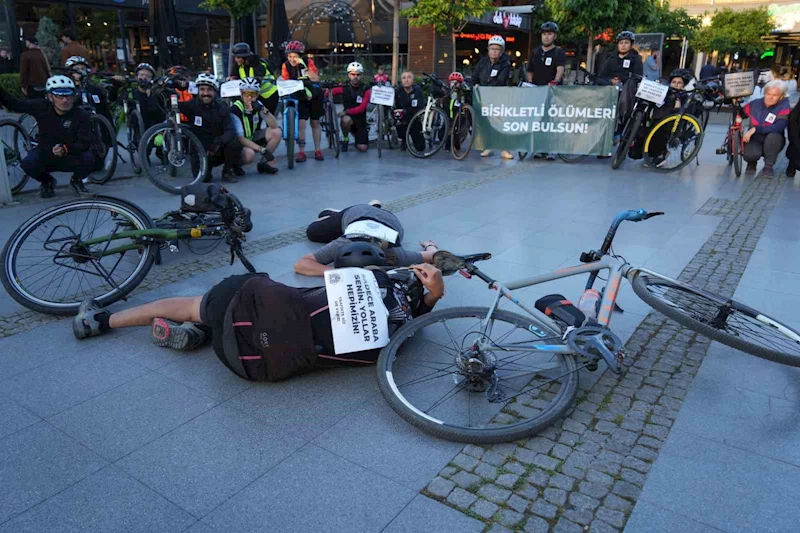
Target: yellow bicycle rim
(672, 118)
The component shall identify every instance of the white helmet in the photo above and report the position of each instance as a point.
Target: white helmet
(499, 41)
(207, 79)
(356, 67)
(249, 84)
(59, 84)
(75, 60)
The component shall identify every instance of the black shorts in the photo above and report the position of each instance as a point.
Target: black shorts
(215, 305)
(360, 129)
(312, 109)
(271, 103)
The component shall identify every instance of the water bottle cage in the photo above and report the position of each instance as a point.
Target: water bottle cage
(591, 257)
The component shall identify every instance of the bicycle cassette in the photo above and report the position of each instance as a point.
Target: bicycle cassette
(597, 342)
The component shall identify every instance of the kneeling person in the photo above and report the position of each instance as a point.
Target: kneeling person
(248, 116)
(263, 330)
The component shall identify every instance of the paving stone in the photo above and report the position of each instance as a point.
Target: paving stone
(561, 481)
(538, 477)
(493, 458)
(650, 442)
(598, 526)
(487, 471)
(465, 480)
(580, 516)
(461, 498)
(582, 460)
(518, 503)
(536, 525)
(506, 449)
(595, 490)
(466, 462)
(555, 496)
(633, 476)
(542, 508)
(498, 528)
(637, 464)
(560, 451)
(581, 501)
(507, 480)
(526, 456)
(515, 468)
(545, 461)
(540, 444)
(440, 487)
(645, 454)
(599, 477)
(494, 493)
(574, 426)
(510, 518)
(658, 432)
(448, 471)
(568, 438)
(484, 509)
(626, 490)
(606, 427)
(610, 516)
(565, 526)
(528, 491)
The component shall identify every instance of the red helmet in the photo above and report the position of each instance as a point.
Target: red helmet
(296, 47)
(456, 76)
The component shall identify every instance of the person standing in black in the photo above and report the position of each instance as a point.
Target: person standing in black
(709, 70)
(625, 64)
(409, 99)
(547, 62)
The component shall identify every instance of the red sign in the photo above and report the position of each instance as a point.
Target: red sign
(483, 37)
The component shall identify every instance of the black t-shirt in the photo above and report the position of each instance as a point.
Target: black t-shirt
(544, 63)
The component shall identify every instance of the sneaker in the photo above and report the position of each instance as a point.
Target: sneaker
(318, 155)
(266, 168)
(301, 157)
(767, 171)
(790, 170)
(486, 153)
(344, 146)
(505, 154)
(186, 336)
(751, 167)
(85, 323)
(328, 212)
(228, 176)
(376, 203)
(77, 186)
(48, 188)
(551, 157)
(237, 170)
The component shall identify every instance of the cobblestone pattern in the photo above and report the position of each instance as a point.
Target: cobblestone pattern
(162, 275)
(585, 472)
(717, 207)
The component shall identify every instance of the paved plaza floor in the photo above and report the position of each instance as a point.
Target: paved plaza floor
(114, 434)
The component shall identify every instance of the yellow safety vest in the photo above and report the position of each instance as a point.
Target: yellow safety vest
(268, 86)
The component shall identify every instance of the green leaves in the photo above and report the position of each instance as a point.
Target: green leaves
(446, 16)
(672, 22)
(735, 31)
(235, 8)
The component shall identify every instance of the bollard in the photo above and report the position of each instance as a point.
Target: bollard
(5, 187)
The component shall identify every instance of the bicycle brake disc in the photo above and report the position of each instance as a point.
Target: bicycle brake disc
(176, 158)
(597, 342)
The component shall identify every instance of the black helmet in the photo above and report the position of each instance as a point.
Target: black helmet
(549, 26)
(241, 50)
(629, 35)
(359, 254)
(684, 73)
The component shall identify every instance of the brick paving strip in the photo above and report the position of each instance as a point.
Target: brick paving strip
(159, 276)
(585, 473)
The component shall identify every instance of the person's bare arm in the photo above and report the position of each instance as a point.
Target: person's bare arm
(430, 250)
(308, 266)
(559, 74)
(247, 143)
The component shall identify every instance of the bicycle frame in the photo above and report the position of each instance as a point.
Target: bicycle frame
(288, 101)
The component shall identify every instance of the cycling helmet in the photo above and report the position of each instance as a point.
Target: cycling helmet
(75, 60)
(145, 66)
(629, 35)
(178, 71)
(359, 254)
(684, 73)
(60, 85)
(499, 41)
(356, 67)
(548, 26)
(241, 50)
(249, 84)
(455, 76)
(295, 47)
(207, 79)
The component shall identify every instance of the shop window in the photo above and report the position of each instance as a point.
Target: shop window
(98, 30)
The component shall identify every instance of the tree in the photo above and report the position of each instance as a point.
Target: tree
(236, 9)
(48, 35)
(735, 31)
(672, 22)
(446, 16)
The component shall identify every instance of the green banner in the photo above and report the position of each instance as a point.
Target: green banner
(563, 120)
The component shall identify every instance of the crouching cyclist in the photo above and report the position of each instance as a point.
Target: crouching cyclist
(64, 136)
(248, 116)
(355, 98)
(263, 330)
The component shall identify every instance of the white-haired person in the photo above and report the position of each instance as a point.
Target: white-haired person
(493, 70)
(769, 116)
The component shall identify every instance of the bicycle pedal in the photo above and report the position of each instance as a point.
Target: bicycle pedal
(720, 151)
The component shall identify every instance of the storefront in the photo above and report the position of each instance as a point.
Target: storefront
(472, 41)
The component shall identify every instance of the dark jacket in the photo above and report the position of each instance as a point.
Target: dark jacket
(98, 98)
(211, 123)
(253, 68)
(409, 103)
(149, 107)
(767, 119)
(32, 69)
(485, 68)
(615, 66)
(708, 71)
(72, 129)
(793, 151)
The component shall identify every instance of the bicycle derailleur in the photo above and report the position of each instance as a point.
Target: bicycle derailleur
(477, 368)
(595, 343)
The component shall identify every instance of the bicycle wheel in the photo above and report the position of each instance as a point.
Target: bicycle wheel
(393, 139)
(15, 144)
(628, 136)
(333, 130)
(379, 140)
(462, 132)
(684, 137)
(431, 376)
(721, 319)
(47, 269)
(736, 152)
(104, 149)
(572, 158)
(291, 114)
(433, 136)
(180, 158)
(31, 127)
(135, 130)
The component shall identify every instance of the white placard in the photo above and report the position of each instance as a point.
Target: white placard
(230, 89)
(371, 228)
(652, 91)
(526, 84)
(287, 87)
(359, 320)
(738, 84)
(381, 96)
(192, 87)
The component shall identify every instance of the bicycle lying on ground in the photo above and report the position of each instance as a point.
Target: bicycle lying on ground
(486, 375)
(103, 247)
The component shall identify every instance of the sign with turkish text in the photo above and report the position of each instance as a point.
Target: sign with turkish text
(652, 91)
(379, 95)
(359, 319)
(738, 84)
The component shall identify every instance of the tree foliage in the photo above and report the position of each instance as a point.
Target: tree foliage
(595, 16)
(236, 9)
(735, 31)
(672, 22)
(48, 35)
(446, 16)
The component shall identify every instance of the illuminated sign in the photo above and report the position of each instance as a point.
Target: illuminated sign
(482, 37)
(505, 19)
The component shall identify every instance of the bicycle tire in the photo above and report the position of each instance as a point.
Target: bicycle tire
(684, 120)
(394, 140)
(736, 149)
(104, 146)
(729, 147)
(628, 136)
(685, 318)
(435, 139)
(290, 133)
(379, 128)
(135, 130)
(391, 392)
(333, 132)
(572, 158)
(10, 274)
(193, 146)
(465, 111)
(20, 142)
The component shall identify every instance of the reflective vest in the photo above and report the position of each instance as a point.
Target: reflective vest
(268, 86)
(251, 123)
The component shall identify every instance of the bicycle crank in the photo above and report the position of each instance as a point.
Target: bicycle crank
(595, 343)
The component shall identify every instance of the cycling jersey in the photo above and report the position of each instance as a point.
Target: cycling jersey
(300, 72)
(255, 67)
(768, 119)
(622, 67)
(380, 78)
(492, 74)
(543, 64)
(409, 102)
(210, 122)
(355, 99)
(96, 96)
(250, 121)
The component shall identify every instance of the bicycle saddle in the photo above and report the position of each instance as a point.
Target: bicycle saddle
(450, 263)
